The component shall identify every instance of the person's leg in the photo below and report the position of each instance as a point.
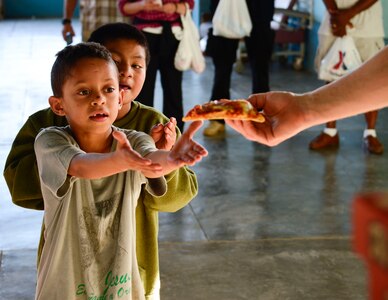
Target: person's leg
(328, 138)
(223, 59)
(171, 80)
(259, 49)
(220, 90)
(146, 95)
(367, 48)
(371, 119)
(371, 142)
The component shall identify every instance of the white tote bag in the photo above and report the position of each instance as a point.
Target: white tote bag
(232, 20)
(189, 54)
(342, 58)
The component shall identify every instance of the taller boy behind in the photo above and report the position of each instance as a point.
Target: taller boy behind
(91, 175)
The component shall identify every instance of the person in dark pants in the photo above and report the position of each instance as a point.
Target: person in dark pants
(163, 53)
(161, 24)
(223, 51)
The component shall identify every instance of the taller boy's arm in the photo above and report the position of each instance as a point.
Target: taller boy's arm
(182, 187)
(182, 184)
(20, 171)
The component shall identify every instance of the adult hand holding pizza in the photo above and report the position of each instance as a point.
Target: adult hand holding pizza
(283, 118)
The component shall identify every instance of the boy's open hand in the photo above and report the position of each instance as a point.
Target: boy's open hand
(186, 151)
(164, 135)
(130, 158)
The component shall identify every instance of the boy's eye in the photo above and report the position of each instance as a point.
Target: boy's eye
(137, 66)
(84, 92)
(110, 89)
(116, 62)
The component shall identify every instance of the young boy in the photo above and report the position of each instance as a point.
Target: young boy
(125, 43)
(91, 175)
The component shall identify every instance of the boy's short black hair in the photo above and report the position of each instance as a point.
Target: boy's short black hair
(67, 59)
(115, 31)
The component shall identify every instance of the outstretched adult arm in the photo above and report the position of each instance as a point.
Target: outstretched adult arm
(363, 90)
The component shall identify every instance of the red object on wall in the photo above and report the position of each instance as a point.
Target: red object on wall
(370, 239)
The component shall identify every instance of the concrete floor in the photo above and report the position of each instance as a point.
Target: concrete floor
(268, 223)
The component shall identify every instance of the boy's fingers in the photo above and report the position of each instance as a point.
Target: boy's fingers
(120, 137)
(157, 127)
(193, 128)
(173, 121)
(170, 125)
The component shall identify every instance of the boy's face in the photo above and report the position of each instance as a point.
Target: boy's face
(91, 97)
(130, 59)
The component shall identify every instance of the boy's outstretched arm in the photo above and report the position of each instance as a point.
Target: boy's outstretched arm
(98, 165)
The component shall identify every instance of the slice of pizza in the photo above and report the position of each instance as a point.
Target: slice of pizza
(239, 109)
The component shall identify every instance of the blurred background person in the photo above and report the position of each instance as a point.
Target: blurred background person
(362, 20)
(93, 14)
(259, 46)
(160, 22)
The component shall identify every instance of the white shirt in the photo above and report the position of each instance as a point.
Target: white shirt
(367, 24)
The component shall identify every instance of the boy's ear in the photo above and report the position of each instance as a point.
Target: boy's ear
(56, 105)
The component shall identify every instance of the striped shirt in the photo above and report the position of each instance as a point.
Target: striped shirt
(95, 13)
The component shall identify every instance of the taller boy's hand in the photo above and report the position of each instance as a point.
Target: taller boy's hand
(164, 136)
(186, 151)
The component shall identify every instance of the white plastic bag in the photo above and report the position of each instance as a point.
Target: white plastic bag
(232, 20)
(189, 54)
(342, 58)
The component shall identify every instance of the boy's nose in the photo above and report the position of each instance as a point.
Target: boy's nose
(126, 72)
(98, 100)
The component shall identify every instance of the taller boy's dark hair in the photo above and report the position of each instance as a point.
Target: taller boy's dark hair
(68, 57)
(114, 31)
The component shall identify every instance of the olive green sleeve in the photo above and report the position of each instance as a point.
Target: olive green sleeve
(182, 187)
(21, 171)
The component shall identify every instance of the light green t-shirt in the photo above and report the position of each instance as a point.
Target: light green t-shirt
(90, 236)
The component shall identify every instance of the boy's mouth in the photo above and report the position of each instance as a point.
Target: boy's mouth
(99, 116)
(124, 87)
